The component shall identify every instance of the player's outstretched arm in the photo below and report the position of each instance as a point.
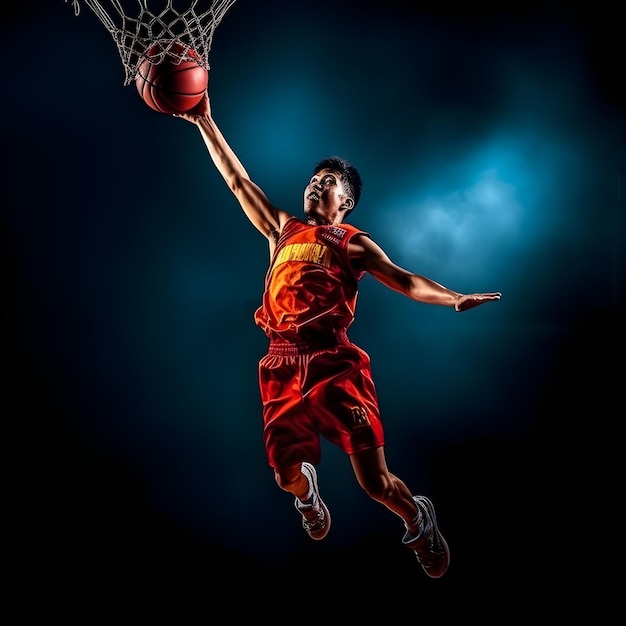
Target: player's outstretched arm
(265, 217)
(419, 288)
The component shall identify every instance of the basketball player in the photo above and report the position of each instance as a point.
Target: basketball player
(313, 381)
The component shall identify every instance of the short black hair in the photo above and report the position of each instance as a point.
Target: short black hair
(349, 175)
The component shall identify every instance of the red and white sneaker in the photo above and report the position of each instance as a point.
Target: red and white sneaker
(315, 515)
(431, 549)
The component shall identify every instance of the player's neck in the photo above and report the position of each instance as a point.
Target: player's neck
(317, 220)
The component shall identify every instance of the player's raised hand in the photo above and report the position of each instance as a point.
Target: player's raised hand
(470, 300)
(202, 109)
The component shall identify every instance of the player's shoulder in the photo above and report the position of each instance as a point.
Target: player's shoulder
(352, 228)
(351, 231)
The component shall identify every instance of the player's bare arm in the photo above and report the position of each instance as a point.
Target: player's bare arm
(369, 255)
(264, 216)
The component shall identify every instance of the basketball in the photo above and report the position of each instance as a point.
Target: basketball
(168, 85)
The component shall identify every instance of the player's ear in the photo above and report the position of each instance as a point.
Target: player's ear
(348, 204)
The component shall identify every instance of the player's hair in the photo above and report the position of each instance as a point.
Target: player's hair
(349, 175)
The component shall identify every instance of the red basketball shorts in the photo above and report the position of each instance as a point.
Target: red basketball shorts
(308, 394)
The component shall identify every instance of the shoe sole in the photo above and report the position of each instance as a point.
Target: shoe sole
(424, 501)
(312, 475)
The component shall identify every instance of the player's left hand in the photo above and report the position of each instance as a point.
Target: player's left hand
(470, 300)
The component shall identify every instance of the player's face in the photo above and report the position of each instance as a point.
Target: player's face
(324, 196)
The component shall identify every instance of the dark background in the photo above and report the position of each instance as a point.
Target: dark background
(491, 142)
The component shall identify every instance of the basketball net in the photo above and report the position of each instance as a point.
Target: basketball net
(134, 32)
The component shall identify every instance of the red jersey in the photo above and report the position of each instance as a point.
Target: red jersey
(311, 286)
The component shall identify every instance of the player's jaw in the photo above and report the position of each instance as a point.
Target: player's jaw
(313, 201)
(317, 210)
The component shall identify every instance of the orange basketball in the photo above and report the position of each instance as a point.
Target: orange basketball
(168, 85)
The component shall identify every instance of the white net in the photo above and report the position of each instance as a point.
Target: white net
(135, 27)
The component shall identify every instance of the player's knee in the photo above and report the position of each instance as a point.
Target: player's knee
(287, 481)
(380, 488)
(281, 480)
